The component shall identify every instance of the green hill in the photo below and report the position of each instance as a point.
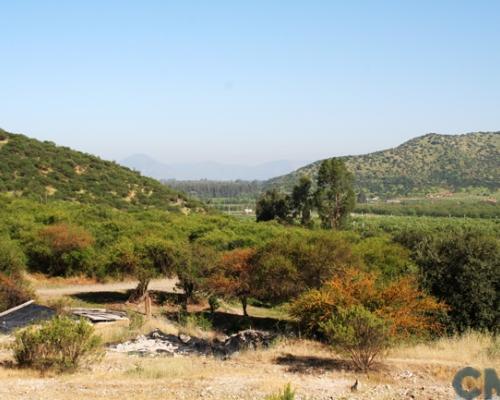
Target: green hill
(424, 164)
(43, 171)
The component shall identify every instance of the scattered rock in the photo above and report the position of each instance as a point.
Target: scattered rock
(159, 343)
(184, 338)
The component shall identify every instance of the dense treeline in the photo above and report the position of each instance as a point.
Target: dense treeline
(440, 208)
(333, 199)
(243, 194)
(206, 189)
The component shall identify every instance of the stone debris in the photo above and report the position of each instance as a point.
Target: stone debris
(158, 343)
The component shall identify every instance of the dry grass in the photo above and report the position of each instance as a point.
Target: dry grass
(312, 369)
(473, 348)
(38, 280)
(121, 332)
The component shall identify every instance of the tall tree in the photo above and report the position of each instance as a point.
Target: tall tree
(301, 200)
(334, 197)
(153, 257)
(272, 205)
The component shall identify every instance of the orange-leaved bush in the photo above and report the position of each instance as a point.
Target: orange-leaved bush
(234, 275)
(407, 310)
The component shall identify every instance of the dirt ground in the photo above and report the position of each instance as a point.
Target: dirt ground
(422, 372)
(51, 291)
(312, 370)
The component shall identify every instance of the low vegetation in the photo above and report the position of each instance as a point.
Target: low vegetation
(13, 292)
(286, 394)
(61, 344)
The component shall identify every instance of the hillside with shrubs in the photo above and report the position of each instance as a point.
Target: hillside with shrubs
(425, 164)
(44, 171)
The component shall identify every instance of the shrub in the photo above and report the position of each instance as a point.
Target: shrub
(460, 267)
(358, 333)
(12, 293)
(192, 321)
(214, 303)
(61, 344)
(286, 394)
(62, 250)
(408, 310)
(12, 259)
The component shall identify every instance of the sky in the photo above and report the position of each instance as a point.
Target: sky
(247, 81)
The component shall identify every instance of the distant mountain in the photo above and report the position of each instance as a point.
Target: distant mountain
(44, 171)
(209, 170)
(426, 163)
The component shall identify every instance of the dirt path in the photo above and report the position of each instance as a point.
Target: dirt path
(167, 285)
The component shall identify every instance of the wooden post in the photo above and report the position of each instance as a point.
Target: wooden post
(147, 304)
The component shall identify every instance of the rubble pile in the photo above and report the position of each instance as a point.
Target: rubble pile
(158, 343)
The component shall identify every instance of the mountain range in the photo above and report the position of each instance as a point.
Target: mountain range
(209, 170)
(43, 170)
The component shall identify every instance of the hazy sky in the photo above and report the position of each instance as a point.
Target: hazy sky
(247, 81)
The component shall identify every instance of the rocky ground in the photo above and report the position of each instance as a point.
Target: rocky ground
(184, 373)
(158, 343)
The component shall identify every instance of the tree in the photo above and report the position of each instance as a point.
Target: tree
(381, 254)
(362, 199)
(315, 258)
(358, 333)
(272, 205)
(461, 269)
(334, 196)
(144, 259)
(301, 200)
(275, 278)
(155, 257)
(233, 277)
(194, 265)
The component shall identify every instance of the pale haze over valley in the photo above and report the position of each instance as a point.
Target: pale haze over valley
(247, 84)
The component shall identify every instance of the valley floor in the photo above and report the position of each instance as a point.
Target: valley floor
(310, 368)
(415, 372)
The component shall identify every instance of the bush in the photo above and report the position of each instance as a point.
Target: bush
(12, 293)
(460, 267)
(12, 259)
(61, 344)
(214, 303)
(358, 333)
(409, 311)
(62, 250)
(193, 321)
(286, 394)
